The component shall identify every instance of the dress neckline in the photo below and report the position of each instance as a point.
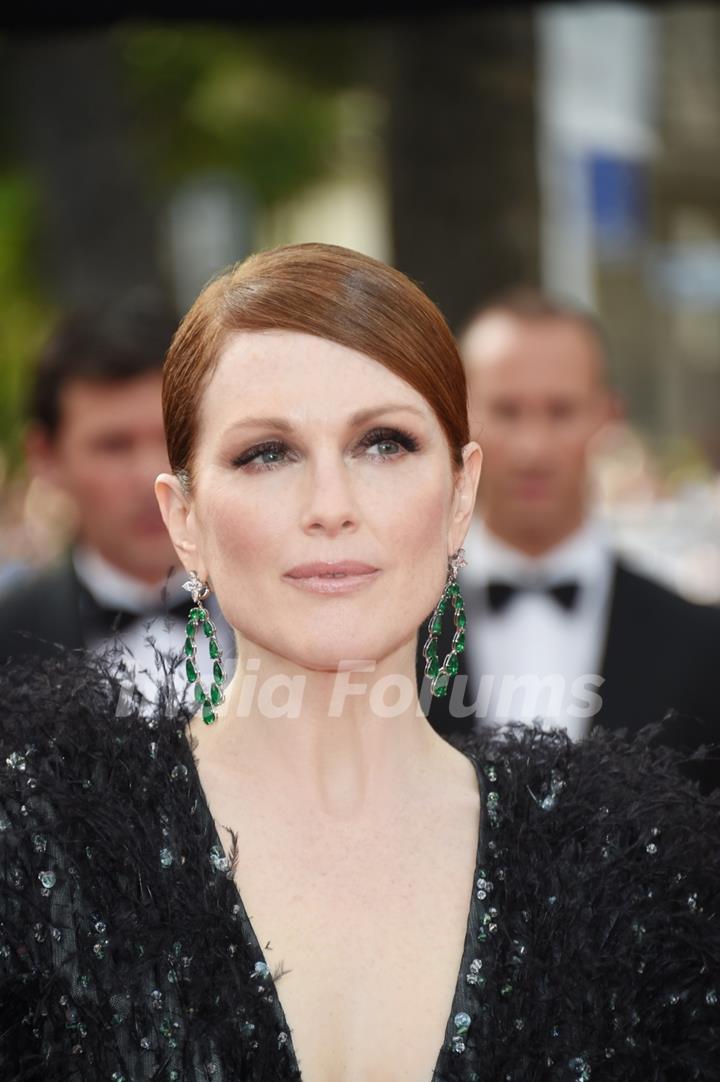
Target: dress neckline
(455, 1026)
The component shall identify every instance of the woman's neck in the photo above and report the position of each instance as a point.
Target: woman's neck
(341, 742)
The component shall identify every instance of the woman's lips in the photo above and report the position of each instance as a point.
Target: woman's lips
(342, 577)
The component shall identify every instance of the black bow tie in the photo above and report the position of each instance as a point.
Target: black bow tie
(104, 621)
(500, 592)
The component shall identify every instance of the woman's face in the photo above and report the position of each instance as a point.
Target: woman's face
(309, 452)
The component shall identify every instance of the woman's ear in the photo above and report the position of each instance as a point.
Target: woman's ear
(465, 494)
(176, 510)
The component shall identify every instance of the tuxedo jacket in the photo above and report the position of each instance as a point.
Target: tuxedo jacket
(48, 609)
(43, 611)
(661, 653)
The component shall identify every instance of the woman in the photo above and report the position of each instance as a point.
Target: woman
(306, 877)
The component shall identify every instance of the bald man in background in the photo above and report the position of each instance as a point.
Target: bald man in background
(560, 628)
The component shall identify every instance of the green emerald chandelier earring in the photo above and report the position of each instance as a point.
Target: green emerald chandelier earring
(199, 617)
(440, 674)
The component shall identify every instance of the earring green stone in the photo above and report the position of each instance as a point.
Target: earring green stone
(199, 617)
(440, 675)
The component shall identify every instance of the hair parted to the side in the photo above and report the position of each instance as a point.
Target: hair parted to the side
(327, 291)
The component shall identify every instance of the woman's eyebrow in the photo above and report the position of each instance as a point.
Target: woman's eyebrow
(359, 417)
(375, 411)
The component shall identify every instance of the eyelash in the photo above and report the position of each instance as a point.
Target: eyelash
(377, 435)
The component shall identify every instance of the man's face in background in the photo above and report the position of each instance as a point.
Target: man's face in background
(108, 449)
(537, 397)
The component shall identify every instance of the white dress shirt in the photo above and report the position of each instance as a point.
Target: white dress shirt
(136, 645)
(534, 659)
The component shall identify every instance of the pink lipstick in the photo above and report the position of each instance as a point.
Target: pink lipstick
(337, 577)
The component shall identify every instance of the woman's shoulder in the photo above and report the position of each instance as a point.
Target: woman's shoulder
(607, 773)
(602, 857)
(75, 739)
(78, 706)
(603, 826)
(97, 790)
(115, 901)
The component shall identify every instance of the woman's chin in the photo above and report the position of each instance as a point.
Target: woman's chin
(331, 661)
(325, 653)
(324, 650)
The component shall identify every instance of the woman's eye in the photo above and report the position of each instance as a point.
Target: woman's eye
(379, 444)
(386, 447)
(268, 458)
(265, 457)
(390, 443)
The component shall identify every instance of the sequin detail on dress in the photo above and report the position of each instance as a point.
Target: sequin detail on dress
(116, 962)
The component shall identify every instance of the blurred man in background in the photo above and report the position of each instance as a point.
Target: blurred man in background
(559, 627)
(96, 432)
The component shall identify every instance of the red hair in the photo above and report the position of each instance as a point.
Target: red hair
(330, 292)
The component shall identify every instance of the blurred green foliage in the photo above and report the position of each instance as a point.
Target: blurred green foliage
(25, 316)
(267, 105)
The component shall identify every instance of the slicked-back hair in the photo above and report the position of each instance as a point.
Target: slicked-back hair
(330, 292)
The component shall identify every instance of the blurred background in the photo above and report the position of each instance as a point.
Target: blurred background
(575, 147)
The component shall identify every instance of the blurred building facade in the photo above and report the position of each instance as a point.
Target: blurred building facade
(629, 113)
(573, 146)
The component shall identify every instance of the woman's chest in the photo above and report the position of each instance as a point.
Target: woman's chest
(365, 943)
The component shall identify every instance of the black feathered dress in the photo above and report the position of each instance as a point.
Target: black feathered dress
(593, 936)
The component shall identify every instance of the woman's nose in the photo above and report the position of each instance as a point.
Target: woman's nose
(329, 503)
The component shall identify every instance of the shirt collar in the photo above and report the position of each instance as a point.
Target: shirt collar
(116, 589)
